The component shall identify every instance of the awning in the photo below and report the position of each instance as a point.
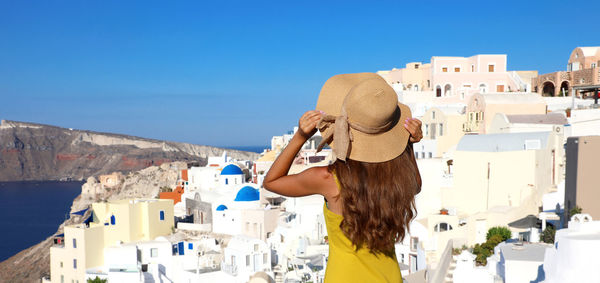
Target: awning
(81, 212)
(59, 235)
(529, 221)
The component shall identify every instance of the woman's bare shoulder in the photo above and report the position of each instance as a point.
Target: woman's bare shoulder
(323, 179)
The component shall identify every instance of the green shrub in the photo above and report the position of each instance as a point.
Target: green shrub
(575, 210)
(495, 236)
(495, 240)
(97, 280)
(504, 232)
(548, 235)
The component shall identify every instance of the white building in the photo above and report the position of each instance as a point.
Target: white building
(573, 257)
(245, 215)
(244, 256)
(521, 262)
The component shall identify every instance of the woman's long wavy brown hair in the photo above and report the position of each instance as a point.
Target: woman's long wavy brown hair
(378, 200)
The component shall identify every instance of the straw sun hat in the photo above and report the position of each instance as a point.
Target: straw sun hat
(363, 119)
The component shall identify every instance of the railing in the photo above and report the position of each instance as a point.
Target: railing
(517, 80)
(229, 268)
(439, 274)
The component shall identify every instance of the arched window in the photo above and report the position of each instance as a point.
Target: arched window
(447, 90)
(482, 88)
(442, 227)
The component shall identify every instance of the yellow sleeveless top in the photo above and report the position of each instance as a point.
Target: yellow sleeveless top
(346, 264)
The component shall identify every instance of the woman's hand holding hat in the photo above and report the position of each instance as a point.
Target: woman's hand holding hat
(307, 125)
(413, 126)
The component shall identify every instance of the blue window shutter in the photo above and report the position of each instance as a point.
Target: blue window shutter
(180, 248)
(162, 215)
(190, 246)
(226, 181)
(113, 220)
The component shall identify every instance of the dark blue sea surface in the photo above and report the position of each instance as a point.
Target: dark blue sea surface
(32, 211)
(251, 148)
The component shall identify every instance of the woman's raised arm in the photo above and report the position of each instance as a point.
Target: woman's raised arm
(308, 182)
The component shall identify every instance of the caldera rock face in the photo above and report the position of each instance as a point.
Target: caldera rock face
(40, 152)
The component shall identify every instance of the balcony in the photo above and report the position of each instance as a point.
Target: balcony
(229, 268)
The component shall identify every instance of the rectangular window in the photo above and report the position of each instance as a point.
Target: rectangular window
(432, 114)
(430, 155)
(62, 279)
(472, 68)
(190, 246)
(593, 65)
(247, 260)
(74, 263)
(441, 129)
(255, 247)
(414, 243)
(153, 252)
(457, 69)
(445, 69)
(61, 264)
(162, 215)
(265, 258)
(74, 243)
(491, 68)
(423, 154)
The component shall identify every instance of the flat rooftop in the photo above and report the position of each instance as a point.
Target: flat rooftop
(526, 252)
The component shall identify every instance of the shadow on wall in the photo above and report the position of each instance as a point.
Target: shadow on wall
(541, 276)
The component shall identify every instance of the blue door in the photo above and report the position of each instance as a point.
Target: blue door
(180, 248)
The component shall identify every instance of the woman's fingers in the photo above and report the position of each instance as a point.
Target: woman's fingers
(414, 128)
(308, 122)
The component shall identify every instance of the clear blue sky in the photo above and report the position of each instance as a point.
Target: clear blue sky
(236, 73)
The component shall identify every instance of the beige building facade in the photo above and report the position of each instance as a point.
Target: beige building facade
(481, 108)
(444, 125)
(416, 76)
(113, 223)
(582, 70)
(503, 170)
(581, 184)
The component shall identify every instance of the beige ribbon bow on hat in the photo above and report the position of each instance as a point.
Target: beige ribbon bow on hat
(341, 134)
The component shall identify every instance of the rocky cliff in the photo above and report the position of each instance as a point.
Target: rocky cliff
(40, 152)
(31, 264)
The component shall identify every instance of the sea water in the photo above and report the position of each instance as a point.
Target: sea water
(32, 211)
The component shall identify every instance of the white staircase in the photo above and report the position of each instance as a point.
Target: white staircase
(450, 274)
